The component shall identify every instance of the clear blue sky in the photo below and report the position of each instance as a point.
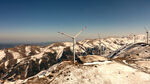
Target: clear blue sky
(40, 20)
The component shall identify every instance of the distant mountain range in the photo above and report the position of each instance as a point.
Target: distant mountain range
(24, 61)
(11, 45)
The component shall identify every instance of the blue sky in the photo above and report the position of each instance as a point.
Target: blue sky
(40, 20)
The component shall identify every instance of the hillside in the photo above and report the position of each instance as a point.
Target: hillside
(25, 61)
(106, 73)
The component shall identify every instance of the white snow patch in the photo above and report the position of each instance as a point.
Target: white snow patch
(2, 54)
(6, 64)
(68, 44)
(16, 55)
(28, 50)
(97, 63)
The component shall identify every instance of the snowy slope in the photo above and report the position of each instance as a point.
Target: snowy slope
(34, 59)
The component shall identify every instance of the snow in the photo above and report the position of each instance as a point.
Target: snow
(19, 60)
(6, 64)
(68, 44)
(37, 51)
(105, 73)
(110, 73)
(16, 55)
(59, 54)
(38, 56)
(28, 50)
(97, 63)
(2, 54)
(40, 61)
(124, 61)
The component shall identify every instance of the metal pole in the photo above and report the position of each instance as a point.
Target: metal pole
(134, 38)
(99, 44)
(147, 37)
(74, 49)
(99, 49)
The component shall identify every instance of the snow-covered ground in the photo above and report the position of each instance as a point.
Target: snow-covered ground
(35, 59)
(104, 73)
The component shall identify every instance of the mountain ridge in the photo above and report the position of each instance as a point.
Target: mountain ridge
(34, 59)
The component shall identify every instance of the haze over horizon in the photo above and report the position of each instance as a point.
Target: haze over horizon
(39, 21)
